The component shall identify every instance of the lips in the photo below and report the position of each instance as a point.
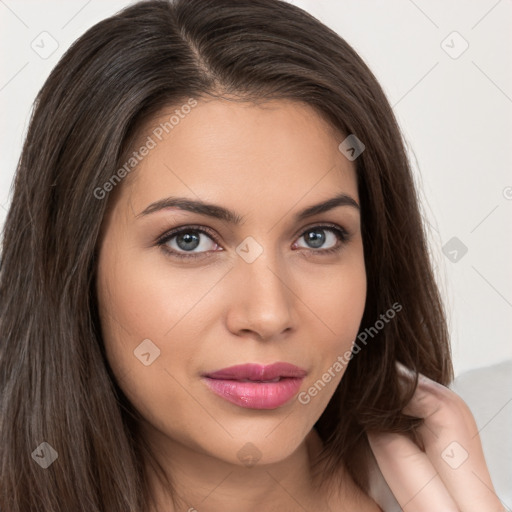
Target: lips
(257, 386)
(258, 372)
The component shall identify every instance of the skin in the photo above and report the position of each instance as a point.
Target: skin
(292, 303)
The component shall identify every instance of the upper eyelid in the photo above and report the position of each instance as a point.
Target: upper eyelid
(171, 233)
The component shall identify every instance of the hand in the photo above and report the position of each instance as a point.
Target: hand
(451, 474)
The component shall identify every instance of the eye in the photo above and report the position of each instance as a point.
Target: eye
(198, 241)
(183, 242)
(331, 235)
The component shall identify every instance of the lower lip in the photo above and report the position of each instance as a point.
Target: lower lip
(256, 395)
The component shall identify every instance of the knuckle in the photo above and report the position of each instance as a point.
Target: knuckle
(453, 410)
(446, 406)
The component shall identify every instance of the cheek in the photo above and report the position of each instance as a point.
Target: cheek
(140, 311)
(339, 297)
(142, 297)
(339, 305)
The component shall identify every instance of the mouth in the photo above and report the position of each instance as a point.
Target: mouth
(255, 386)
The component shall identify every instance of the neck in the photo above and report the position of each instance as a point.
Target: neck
(204, 483)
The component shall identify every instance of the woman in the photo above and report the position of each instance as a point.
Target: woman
(215, 288)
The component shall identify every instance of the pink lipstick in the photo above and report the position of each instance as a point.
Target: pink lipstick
(256, 386)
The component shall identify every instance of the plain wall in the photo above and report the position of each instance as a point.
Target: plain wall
(454, 110)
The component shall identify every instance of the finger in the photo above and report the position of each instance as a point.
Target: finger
(410, 474)
(450, 436)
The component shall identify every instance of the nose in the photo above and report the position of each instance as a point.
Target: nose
(263, 302)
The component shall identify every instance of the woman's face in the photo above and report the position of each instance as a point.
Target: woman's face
(265, 284)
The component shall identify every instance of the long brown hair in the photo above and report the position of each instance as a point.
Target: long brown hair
(55, 384)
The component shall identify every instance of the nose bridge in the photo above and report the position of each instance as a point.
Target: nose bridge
(264, 300)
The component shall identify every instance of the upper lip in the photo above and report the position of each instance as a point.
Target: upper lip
(258, 372)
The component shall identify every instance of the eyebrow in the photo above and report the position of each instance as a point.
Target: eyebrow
(231, 217)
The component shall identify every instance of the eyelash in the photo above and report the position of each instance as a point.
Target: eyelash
(342, 235)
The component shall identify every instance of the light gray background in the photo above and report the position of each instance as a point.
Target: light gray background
(455, 112)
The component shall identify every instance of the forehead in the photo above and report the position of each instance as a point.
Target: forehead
(278, 152)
